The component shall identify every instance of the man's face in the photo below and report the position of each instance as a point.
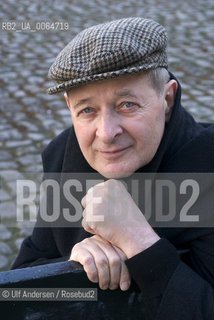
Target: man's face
(119, 123)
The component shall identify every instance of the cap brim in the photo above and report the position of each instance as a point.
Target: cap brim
(69, 84)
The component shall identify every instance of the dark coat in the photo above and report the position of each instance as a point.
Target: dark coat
(174, 285)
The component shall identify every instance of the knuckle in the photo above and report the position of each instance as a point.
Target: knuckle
(89, 191)
(87, 261)
(111, 182)
(110, 185)
(102, 262)
(85, 241)
(83, 223)
(114, 182)
(115, 186)
(75, 247)
(115, 261)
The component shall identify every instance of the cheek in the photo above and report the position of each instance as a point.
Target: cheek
(84, 136)
(156, 131)
(157, 127)
(157, 118)
(149, 131)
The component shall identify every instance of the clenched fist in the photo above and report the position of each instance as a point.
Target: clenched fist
(111, 213)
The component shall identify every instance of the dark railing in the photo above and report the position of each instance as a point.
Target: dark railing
(110, 304)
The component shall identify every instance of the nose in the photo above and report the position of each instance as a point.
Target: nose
(108, 127)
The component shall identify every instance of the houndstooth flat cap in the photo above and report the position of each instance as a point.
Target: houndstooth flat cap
(109, 50)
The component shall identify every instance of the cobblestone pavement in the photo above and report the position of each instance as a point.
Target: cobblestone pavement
(30, 117)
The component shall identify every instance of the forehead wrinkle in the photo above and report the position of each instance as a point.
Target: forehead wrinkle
(81, 102)
(125, 92)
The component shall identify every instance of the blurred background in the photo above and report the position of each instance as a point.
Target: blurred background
(30, 118)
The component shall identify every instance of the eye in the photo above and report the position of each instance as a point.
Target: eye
(128, 106)
(87, 110)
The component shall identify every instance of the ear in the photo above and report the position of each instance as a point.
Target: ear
(169, 98)
(67, 101)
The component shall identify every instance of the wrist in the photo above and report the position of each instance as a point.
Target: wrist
(140, 240)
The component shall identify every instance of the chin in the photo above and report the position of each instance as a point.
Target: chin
(117, 170)
(116, 174)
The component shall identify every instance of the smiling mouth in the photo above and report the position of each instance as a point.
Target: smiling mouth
(113, 153)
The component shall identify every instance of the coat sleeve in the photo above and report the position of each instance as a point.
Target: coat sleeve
(40, 247)
(171, 289)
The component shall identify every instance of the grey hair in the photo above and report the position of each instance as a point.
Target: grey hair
(158, 79)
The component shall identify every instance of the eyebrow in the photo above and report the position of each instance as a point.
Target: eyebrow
(81, 102)
(125, 92)
(120, 93)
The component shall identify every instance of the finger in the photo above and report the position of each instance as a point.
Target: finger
(114, 262)
(86, 226)
(115, 270)
(101, 262)
(125, 279)
(93, 192)
(122, 255)
(84, 257)
(87, 197)
(83, 201)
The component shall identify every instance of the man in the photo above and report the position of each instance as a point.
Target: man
(127, 118)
